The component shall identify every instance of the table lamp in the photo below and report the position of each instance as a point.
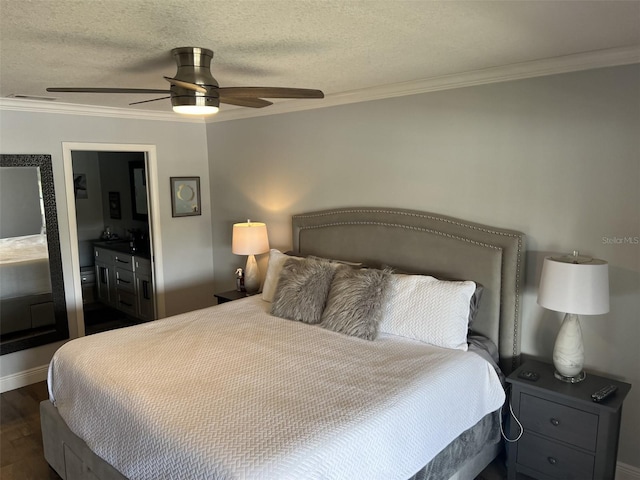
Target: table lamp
(250, 239)
(575, 285)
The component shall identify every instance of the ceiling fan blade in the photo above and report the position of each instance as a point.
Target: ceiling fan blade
(187, 85)
(270, 92)
(245, 102)
(147, 101)
(105, 90)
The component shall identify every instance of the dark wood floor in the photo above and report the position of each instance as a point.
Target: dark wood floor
(21, 455)
(99, 318)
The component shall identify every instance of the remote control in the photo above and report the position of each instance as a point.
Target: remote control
(529, 375)
(603, 393)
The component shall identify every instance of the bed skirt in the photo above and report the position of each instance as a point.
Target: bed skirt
(474, 444)
(72, 459)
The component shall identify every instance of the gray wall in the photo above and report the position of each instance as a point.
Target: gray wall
(19, 202)
(89, 211)
(557, 158)
(114, 175)
(186, 242)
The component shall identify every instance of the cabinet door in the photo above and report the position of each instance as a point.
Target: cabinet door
(105, 283)
(142, 265)
(144, 297)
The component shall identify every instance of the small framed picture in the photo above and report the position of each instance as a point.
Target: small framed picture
(114, 205)
(185, 196)
(80, 185)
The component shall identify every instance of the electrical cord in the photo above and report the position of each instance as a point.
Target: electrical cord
(511, 440)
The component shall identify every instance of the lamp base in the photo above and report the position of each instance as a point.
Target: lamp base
(575, 379)
(568, 351)
(251, 275)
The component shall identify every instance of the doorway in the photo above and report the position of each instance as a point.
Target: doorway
(111, 197)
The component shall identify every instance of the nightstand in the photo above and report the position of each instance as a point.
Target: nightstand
(230, 296)
(566, 435)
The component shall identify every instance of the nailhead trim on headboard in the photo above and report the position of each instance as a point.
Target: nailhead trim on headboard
(445, 220)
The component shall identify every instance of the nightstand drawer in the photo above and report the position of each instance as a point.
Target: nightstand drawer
(559, 422)
(554, 459)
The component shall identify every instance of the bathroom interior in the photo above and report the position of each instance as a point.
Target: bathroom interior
(113, 238)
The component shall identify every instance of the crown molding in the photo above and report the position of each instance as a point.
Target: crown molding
(518, 71)
(38, 106)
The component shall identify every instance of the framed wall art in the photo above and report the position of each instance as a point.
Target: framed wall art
(185, 196)
(80, 185)
(114, 205)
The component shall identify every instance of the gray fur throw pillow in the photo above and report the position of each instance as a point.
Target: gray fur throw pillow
(355, 302)
(303, 286)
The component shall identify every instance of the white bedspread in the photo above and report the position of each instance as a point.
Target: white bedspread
(24, 266)
(248, 395)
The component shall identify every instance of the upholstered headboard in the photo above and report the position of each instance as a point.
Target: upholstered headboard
(421, 242)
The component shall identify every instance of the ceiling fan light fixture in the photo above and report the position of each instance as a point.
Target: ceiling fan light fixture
(195, 104)
(196, 109)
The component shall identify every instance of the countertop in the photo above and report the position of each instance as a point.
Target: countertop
(121, 246)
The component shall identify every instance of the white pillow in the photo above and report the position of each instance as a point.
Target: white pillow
(429, 310)
(276, 261)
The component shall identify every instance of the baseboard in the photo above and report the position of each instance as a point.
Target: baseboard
(627, 472)
(24, 378)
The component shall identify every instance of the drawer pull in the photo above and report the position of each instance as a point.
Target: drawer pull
(121, 261)
(555, 422)
(552, 460)
(126, 304)
(122, 281)
(102, 271)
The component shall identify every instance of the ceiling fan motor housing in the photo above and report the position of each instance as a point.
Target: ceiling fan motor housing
(194, 66)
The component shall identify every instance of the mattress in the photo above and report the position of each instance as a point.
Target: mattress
(24, 266)
(233, 392)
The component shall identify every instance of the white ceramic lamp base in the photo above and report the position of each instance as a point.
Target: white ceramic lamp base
(251, 275)
(568, 351)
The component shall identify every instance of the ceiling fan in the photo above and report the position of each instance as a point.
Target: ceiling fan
(195, 91)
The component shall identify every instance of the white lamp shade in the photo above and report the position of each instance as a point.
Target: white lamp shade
(579, 288)
(249, 238)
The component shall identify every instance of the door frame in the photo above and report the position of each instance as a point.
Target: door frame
(151, 162)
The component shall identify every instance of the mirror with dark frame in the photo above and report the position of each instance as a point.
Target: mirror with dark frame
(138, 178)
(32, 300)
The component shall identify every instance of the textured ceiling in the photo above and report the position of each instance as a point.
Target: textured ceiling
(336, 46)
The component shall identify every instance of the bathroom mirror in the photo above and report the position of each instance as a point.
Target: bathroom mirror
(32, 300)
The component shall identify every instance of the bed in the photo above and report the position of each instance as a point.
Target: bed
(25, 283)
(240, 392)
